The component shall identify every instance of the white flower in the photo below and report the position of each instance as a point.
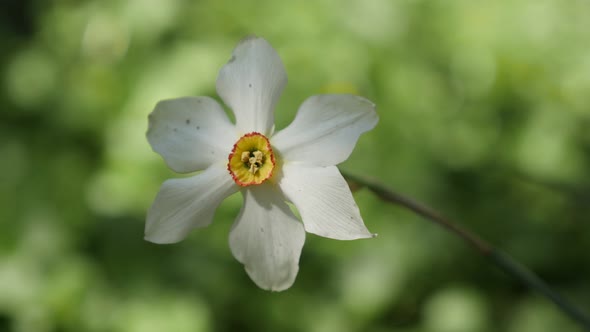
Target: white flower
(296, 164)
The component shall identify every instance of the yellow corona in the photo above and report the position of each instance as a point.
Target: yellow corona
(251, 160)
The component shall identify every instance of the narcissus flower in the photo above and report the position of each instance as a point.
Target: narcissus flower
(296, 164)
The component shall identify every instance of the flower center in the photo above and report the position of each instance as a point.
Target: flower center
(251, 161)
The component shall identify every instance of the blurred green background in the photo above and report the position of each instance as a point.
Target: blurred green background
(485, 116)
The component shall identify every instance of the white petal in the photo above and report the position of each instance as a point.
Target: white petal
(267, 239)
(326, 129)
(251, 84)
(190, 133)
(184, 204)
(324, 201)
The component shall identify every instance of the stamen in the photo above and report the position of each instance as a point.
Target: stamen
(257, 156)
(246, 156)
(253, 168)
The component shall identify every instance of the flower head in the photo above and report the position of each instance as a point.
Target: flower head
(296, 164)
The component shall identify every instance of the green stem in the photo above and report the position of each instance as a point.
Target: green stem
(500, 259)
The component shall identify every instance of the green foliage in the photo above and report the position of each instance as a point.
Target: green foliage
(484, 111)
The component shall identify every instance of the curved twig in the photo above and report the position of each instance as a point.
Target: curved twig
(499, 258)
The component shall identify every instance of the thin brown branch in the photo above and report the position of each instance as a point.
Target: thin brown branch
(499, 258)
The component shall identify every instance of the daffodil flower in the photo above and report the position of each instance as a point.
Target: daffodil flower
(296, 165)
